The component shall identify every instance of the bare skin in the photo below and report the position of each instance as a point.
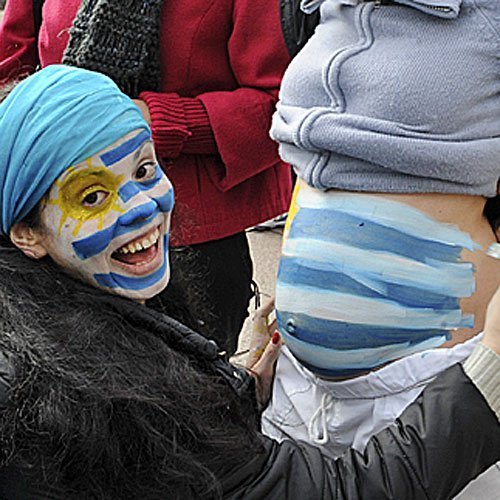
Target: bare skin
(466, 212)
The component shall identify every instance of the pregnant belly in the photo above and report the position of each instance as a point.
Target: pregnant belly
(367, 279)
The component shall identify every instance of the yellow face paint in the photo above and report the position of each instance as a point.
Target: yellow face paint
(292, 211)
(79, 184)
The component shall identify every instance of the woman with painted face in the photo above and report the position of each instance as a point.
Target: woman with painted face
(103, 397)
(206, 76)
(390, 115)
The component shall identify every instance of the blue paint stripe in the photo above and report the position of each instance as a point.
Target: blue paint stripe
(361, 233)
(131, 221)
(167, 201)
(128, 147)
(391, 214)
(378, 272)
(131, 188)
(128, 191)
(114, 280)
(340, 335)
(323, 358)
(335, 306)
(379, 268)
(291, 272)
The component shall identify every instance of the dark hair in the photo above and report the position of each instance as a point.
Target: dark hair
(6, 89)
(105, 406)
(492, 212)
(33, 219)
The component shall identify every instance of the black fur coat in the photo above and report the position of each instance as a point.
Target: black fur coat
(106, 398)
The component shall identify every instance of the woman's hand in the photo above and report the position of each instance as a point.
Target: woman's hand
(263, 370)
(492, 323)
(262, 329)
(264, 351)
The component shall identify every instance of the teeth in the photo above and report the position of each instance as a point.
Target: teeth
(147, 242)
(143, 245)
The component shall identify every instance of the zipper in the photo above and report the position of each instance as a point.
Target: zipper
(438, 8)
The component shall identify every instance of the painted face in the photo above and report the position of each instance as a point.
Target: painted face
(107, 219)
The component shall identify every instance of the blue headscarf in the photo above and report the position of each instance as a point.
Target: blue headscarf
(54, 119)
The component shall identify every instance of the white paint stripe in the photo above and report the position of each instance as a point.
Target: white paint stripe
(453, 279)
(335, 306)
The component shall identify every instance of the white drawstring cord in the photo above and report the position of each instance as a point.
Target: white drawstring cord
(317, 427)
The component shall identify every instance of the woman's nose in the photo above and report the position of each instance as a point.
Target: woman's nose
(142, 211)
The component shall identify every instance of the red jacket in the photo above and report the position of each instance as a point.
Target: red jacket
(222, 65)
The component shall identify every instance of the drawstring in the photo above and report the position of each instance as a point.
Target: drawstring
(255, 293)
(317, 428)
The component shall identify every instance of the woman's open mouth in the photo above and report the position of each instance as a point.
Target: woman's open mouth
(142, 255)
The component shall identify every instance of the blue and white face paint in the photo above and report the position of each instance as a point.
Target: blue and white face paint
(107, 219)
(364, 281)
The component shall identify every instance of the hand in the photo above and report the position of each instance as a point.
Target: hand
(492, 323)
(263, 370)
(144, 110)
(262, 330)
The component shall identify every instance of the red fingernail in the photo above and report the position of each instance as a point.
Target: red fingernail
(275, 338)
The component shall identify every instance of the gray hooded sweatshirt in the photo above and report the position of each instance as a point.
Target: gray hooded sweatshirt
(396, 96)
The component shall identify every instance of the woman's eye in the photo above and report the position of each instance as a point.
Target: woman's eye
(145, 171)
(94, 199)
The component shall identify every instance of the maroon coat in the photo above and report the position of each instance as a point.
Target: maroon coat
(222, 65)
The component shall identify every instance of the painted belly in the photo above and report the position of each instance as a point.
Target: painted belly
(364, 281)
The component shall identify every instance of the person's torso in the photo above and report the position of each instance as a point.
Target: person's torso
(365, 279)
(395, 96)
(194, 43)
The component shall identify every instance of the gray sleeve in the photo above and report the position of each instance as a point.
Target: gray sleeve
(483, 368)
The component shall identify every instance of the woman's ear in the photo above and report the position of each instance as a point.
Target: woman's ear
(28, 240)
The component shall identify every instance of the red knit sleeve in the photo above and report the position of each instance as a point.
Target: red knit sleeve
(179, 125)
(18, 50)
(235, 123)
(241, 118)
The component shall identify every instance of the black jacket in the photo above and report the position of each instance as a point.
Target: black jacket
(440, 443)
(296, 26)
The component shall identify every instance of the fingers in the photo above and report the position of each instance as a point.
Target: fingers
(263, 369)
(269, 356)
(257, 349)
(261, 332)
(265, 310)
(273, 326)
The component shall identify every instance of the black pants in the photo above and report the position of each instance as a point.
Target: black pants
(215, 281)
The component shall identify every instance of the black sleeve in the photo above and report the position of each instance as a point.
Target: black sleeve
(296, 26)
(440, 443)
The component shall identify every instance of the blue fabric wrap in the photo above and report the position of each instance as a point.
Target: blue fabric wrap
(54, 119)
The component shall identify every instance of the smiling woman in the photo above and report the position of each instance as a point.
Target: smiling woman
(105, 218)
(112, 211)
